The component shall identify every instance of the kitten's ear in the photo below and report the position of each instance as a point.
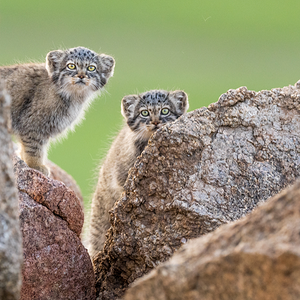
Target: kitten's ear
(180, 99)
(53, 60)
(107, 65)
(128, 105)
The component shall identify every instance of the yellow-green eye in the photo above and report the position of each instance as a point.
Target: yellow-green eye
(145, 113)
(164, 111)
(71, 66)
(91, 68)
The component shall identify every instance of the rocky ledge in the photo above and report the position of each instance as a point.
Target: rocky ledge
(56, 264)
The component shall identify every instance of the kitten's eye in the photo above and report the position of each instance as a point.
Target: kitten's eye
(91, 68)
(145, 113)
(71, 66)
(164, 111)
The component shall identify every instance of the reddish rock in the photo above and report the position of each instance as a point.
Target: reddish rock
(257, 257)
(59, 174)
(53, 194)
(56, 264)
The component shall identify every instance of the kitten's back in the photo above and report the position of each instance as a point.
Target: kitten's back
(22, 81)
(112, 176)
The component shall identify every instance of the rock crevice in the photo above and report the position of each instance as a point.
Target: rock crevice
(256, 257)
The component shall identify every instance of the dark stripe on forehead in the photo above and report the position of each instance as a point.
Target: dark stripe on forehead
(154, 96)
(81, 53)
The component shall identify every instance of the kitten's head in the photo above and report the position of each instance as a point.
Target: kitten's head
(79, 71)
(147, 112)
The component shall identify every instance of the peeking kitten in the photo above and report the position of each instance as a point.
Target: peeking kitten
(144, 114)
(49, 98)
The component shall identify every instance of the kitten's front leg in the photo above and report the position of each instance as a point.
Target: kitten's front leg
(33, 154)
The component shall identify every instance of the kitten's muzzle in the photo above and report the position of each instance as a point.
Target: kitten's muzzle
(81, 79)
(154, 126)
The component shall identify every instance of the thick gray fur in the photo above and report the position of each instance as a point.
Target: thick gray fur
(48, 98)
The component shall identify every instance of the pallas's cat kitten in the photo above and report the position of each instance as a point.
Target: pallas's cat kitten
(144, 114)
(47, 98)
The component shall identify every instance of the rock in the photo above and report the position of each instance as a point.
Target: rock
(257, 257)
(59, 174)
(56, 264)
(208, 168)
(56, 173)
(53, 194)
(10, 235)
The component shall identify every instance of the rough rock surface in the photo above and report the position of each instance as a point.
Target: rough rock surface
(56, 264)
(257, 257)
(210, 167)
(59, 174)
(10, 235)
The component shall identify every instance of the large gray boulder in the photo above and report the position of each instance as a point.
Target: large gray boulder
(257, 257)
(208, 168)
(10, 235)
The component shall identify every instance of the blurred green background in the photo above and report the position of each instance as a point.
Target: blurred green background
(203, 47)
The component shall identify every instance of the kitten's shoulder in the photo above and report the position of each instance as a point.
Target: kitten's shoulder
(27, 70)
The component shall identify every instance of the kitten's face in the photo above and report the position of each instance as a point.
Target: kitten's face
(147, 112)
(79, 71)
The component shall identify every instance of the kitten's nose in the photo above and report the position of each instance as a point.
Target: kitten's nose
(81, 76)
(155, 122)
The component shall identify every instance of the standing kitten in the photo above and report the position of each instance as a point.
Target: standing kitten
(49, 98)
(144, 114)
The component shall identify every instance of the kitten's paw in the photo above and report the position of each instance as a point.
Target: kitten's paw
(42, 169)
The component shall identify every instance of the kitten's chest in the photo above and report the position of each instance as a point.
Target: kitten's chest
(73, 115)
(67, 116)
